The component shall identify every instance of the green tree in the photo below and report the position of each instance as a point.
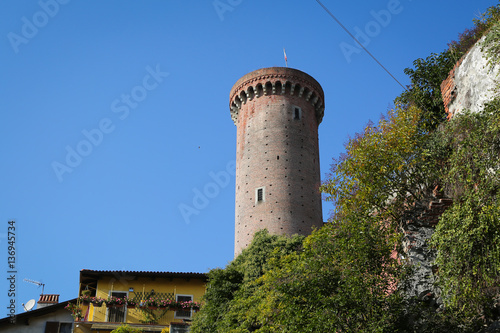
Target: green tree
(126, 329)
(385, 169)
(225, 285)
(343, 280)
(424, 91)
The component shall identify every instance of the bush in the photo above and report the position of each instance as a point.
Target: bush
(126, 329)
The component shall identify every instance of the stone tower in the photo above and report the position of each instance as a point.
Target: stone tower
(277, 111)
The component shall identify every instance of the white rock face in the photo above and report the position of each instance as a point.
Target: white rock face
(474, 81)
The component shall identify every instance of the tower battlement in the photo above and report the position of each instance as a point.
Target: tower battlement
(277, 111)
(276, 81)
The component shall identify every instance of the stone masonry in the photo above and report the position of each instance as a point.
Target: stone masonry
(470, 83)
(418, 225)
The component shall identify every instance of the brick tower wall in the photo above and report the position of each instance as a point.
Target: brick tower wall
(277, 112)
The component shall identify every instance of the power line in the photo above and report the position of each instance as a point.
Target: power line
(357, 41)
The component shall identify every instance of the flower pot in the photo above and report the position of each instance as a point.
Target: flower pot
(152, 307)
(130, 306)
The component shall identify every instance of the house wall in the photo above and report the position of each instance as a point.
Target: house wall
(37, 324)
(195, 287)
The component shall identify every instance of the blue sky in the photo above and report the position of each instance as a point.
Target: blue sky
(114, 115)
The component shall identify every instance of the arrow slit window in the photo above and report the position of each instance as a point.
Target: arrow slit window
(297, 113)
(260, 195)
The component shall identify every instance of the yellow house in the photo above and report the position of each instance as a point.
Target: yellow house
(151, 301)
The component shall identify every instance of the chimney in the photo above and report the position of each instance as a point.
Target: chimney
(47, 300)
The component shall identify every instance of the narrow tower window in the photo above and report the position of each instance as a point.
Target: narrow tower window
(259, 195)
(297, 113)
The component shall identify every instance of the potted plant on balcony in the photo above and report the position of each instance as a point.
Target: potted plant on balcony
(75, 310)
(114, 301)
(194, 305)
(151, 303)
(165, 303)
(175, 306)
(84, 299)
(131, 302)
(96, 301)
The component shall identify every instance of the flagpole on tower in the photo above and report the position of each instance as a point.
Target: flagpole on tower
(286, 60)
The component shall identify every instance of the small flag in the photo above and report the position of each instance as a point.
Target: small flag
(286, 59)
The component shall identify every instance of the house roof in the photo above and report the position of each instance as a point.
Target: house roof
(89, 278)
(189, 275)
(25, 316)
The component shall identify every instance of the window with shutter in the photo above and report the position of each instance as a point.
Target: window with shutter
(184, 314)
(115, 314)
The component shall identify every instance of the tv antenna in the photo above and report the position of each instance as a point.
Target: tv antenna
(37, 283)
(29, 305)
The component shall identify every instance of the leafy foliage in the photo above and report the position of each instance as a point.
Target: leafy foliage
(384, 170)
(468, 235)
(487, 20)
(126, 329)
(469, 37)
(340, 280)
(491, 46)
(427, 74)
(425, 89)
(237, 278)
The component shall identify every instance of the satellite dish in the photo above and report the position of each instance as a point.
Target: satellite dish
(31, 303)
